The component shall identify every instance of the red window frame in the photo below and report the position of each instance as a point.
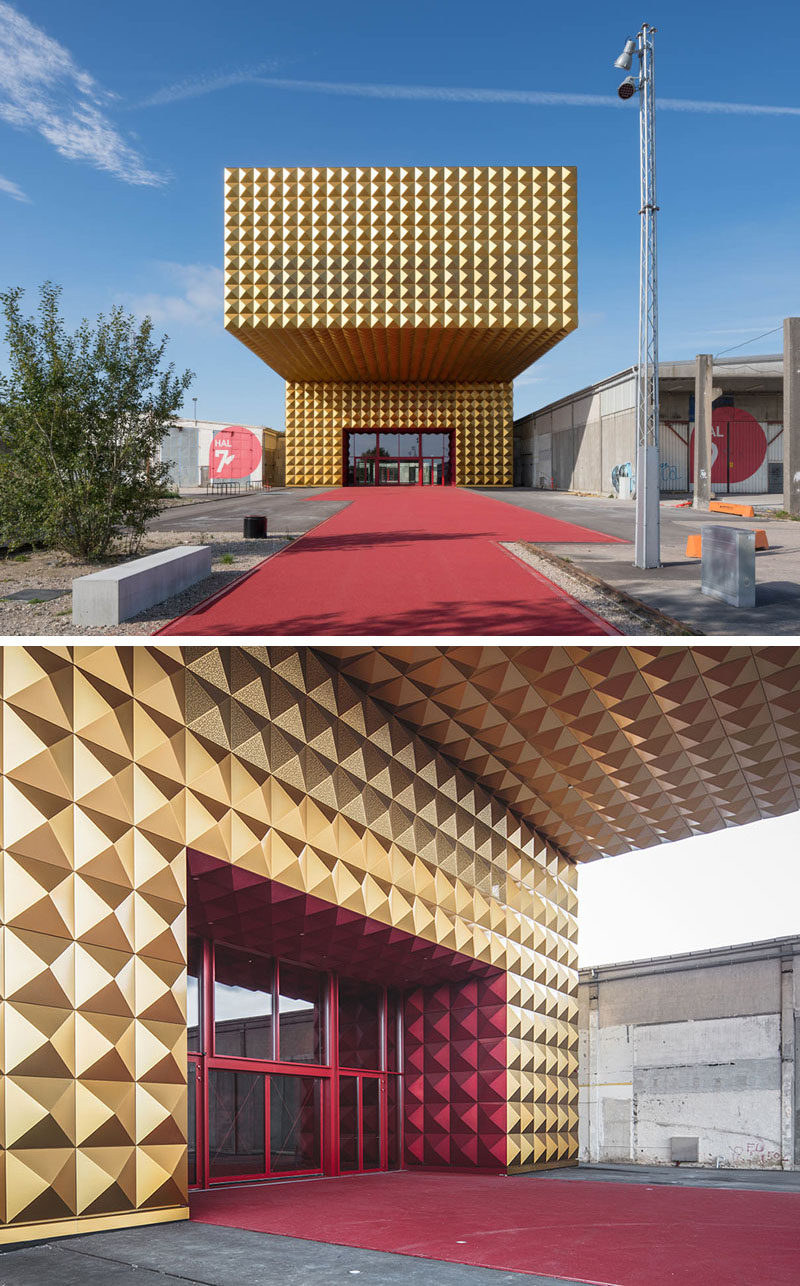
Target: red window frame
(328, 1074)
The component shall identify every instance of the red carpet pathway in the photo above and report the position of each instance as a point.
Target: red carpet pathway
(608, 1233)
(414, 560)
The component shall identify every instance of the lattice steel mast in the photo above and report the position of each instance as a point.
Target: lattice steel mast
(647, 547)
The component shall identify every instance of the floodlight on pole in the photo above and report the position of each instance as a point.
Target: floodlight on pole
(647, 543)
(625, 60)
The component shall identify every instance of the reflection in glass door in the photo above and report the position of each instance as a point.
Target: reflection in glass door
(361, 1122)
(193, 1090)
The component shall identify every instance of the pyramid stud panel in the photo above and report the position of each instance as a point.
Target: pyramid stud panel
(605, 750)
(479, 415)
(400, 274)
(93, 876)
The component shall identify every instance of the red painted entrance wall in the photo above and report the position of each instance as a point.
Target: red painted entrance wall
(455, 1086)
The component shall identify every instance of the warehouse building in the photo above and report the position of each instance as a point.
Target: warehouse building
(202, 453)
(693, 1058)
(279, 912)
(587, 440)
(399, 304)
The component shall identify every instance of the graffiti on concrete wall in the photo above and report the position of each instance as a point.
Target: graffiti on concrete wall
(623, 471)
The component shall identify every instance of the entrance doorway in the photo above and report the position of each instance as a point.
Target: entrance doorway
(398, 459)
(291, 1070)
(361, 1111)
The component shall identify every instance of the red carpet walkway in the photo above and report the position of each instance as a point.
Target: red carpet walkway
(414, 560)
(609, 1233)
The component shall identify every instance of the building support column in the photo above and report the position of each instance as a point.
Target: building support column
(791, 415)
(592, 1103)
(787, 1038)
(703, 397)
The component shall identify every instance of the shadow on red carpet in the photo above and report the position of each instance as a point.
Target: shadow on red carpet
(405, 561)
(609, 1233)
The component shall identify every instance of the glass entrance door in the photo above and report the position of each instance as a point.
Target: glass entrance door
(402, 458)
(432, 471)
(361, 1122)
(275, 1048)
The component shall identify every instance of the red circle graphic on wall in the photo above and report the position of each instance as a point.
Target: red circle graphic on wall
(738, 446)
(234, 453)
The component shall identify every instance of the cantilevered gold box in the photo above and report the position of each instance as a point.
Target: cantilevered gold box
(434, 277)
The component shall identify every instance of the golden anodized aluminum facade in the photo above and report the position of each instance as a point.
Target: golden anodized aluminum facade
(290, 767)
(416, 282)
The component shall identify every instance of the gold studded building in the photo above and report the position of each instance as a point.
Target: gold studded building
(399, 304)
(334, 892)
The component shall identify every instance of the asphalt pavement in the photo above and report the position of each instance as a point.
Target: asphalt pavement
(289, 511)
(674, 587)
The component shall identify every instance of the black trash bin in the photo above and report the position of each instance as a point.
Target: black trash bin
(255, 526)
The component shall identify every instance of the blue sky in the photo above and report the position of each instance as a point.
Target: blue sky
(116, 123)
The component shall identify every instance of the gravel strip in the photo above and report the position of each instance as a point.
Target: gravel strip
(50, 569)
(628, 617)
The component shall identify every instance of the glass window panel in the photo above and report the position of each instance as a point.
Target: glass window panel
(191, 1129)
(361, 446)
(348, 1123)
(242, 1004)
(390, 445)
(393, 1106)
(294, 1122)
(236, 1126)
(359, 1025)
(301, 1007)
(370, 1123)
(194, 970)
(436, 444)
(394, 1002)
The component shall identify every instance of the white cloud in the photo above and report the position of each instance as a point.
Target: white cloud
(42, 89)
(196, 298)
(196, 86)
(454, 94)
(13, 190)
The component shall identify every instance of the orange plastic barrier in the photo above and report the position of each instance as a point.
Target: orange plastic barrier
(694, 546)
(742, 511)
(694, 543)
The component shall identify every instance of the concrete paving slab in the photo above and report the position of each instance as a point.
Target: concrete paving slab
(674, 587)
(215, 1256)
(680, 1176)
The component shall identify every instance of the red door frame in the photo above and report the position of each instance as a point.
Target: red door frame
(328, 1074)
(448, 469)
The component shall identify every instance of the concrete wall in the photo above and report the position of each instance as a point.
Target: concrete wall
(703, 1045)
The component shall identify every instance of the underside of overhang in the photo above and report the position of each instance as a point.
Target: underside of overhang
(399, 352)
(605, 750)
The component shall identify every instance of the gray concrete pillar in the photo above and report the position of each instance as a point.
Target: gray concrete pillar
(791, 415)
(788, 1070)
(703, 396)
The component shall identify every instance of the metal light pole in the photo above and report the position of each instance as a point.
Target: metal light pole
(647, 547)
(194, 399)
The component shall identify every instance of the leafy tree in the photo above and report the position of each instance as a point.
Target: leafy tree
(81, 419)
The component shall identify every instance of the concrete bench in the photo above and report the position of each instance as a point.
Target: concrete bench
(118, 593)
